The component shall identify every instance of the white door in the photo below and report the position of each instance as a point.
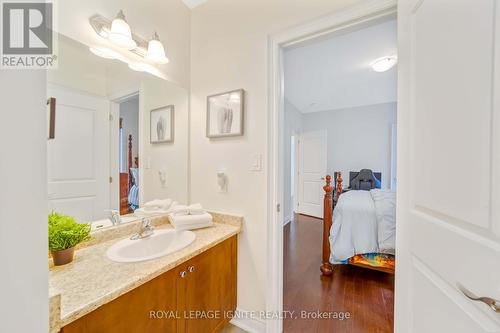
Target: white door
(312, 171)
(78, 157)
(448, 217)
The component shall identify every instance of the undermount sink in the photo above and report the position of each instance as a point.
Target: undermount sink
(161, 243)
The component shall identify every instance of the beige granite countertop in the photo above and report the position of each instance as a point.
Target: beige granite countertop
(92, 280)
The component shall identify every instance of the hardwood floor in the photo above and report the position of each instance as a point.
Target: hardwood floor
(366, 294)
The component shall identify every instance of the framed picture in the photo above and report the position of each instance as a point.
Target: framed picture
(162, 124)
(225, 114)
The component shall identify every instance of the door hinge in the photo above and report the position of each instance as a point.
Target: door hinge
(110, 179)
(110, 117)
(278, 208)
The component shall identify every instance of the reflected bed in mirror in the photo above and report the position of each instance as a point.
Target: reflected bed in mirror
(102, 165)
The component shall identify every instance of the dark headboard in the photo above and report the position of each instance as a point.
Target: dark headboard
(354, 174)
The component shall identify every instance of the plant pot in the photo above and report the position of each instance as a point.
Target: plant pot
(63, 257)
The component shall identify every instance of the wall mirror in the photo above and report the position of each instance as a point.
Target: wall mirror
(102, 161)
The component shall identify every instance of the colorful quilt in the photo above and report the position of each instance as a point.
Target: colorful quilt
(373, 259)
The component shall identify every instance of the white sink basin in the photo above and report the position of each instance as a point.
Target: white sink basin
(161, 243)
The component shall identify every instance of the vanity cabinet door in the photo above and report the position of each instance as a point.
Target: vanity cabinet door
(131, 312)
(207, 293)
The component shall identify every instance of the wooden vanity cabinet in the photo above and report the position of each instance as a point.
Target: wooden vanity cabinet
(196, 296)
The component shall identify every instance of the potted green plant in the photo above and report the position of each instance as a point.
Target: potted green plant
(64, 234)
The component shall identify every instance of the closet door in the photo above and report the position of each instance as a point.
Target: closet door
(448, 215)
(312, 172)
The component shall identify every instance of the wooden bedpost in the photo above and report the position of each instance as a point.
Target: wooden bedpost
(129, 162)
(327, 268)
(338, 190)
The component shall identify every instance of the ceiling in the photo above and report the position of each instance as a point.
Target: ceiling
(193, 3)
(335, 73)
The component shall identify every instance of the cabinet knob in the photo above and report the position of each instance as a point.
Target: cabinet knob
(191, 269)
(183, 274)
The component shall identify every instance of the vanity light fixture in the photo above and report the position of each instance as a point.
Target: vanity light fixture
(384, 64)
(120, 33)
(156, 50)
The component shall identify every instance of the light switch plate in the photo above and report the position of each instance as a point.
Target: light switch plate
(256, 162)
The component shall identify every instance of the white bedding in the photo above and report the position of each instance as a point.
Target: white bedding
(363, 222)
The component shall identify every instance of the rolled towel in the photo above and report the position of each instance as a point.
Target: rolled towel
(191, 222)
(196, 209)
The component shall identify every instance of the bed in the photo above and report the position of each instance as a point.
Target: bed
(359, 224)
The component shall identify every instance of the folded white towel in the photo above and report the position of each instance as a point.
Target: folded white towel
(196, 209)
(191, 222)
(158, 204)
(143, 212)
(179, 210)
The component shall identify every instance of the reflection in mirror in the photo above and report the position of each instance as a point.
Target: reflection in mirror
(120, 138)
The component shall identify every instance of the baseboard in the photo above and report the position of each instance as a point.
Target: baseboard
(244, 320)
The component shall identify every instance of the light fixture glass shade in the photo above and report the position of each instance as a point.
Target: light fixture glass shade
(120, 33)
(384, 64)
(156, 51)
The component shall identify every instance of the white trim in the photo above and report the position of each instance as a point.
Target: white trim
(114, 156)
(114, 145)
(124, 94)
(362, 13)
(246, 321)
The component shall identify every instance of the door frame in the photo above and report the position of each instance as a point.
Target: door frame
(114, 166)
(363, 14)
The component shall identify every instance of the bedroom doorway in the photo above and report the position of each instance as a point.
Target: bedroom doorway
(125, 151)
(354, 121)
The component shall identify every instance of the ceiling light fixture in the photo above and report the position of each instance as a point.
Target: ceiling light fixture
(156, 51)
(384, 64)
(120, 33)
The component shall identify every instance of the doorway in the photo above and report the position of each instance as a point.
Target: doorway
(340, 23)
(125, 150)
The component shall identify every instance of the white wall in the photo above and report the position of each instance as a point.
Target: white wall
(229, 51)
(172, 157)
(23, 202)
(292, 127)
(129, 112)
(358, 138)
(170, 18)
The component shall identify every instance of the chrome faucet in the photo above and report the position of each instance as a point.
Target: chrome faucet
(147, 230)
(114, 217)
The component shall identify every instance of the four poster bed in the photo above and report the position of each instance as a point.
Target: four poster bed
(359, 223)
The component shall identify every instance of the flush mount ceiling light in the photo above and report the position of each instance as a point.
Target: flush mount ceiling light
(120, 33)
(384, 64)
(156, 51)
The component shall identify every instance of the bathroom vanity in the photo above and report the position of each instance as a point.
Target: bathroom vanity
(191, 290)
